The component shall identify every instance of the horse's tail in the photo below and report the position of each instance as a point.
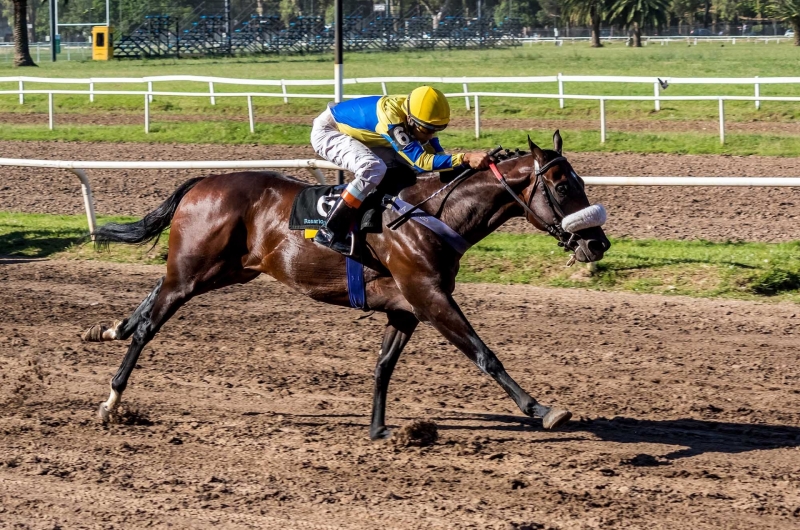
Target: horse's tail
(148, 228)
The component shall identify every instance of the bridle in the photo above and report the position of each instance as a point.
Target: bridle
(568, 240)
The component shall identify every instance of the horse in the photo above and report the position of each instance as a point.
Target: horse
(227, 229)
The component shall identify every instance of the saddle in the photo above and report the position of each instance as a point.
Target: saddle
(312, 205)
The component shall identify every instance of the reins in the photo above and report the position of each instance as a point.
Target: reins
(394, 224)
(552, 229)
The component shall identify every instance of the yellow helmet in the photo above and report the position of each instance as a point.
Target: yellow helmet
(428, 108)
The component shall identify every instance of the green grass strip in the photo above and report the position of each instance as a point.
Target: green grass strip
(693, 268)
(226, 132)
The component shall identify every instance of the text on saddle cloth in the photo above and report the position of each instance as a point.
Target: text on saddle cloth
(313, 203)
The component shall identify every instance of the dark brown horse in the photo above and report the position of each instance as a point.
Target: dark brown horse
(228, 229)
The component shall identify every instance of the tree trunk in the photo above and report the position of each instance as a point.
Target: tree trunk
(22, 54)
(796, 27)
(637, 35)
(596, 32)
(705, 15)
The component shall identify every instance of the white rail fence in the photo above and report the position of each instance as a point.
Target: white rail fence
(79, 167)
(469, 96)
(664, 40)
(315, 167)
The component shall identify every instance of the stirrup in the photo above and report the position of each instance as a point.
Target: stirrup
(342, 247)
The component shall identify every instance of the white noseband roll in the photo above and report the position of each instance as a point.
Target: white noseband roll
(594, 215)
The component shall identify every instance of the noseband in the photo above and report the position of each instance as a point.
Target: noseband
(566, 239)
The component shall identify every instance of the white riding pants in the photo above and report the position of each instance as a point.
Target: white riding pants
(367, 165)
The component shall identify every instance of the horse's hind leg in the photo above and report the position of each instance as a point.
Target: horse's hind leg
(398, 332)
(152, 313)
(122, 329)
(169, 295)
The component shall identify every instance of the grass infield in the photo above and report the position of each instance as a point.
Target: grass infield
(693, 268)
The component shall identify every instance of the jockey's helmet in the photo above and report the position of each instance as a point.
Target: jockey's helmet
(428, 108)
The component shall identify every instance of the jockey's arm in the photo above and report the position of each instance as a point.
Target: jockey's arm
(414, 152)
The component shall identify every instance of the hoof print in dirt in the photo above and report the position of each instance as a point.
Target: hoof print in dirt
(645, 460)
(416, 434)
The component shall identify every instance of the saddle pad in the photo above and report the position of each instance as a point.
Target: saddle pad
(311, 206)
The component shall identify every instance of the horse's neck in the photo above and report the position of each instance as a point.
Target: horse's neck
(478, 206)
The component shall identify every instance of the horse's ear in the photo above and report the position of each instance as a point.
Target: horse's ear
(557, 142)
(538, 154)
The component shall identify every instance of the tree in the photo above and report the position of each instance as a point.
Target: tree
(591, 12)
(788, 10)
(22, 54)
(634, 14)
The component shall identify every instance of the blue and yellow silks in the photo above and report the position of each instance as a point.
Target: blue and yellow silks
(380, 121)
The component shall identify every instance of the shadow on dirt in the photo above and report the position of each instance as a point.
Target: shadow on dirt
(37, 243)
(697, 436)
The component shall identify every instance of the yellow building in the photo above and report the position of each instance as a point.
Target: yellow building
(102, 43)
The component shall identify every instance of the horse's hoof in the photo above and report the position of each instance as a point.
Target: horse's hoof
(103, 413)
(381, 434)
(94, 333)
(556, 418)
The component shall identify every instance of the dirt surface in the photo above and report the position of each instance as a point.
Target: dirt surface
(250, 410)
(613, 125)
(717, 214)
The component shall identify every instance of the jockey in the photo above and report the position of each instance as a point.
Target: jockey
(365, 135)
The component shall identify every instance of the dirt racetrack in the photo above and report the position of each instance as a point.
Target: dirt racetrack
(250, 409)
(716, 214)
(253, 406)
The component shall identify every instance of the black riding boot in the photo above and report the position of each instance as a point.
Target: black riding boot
(333, 234)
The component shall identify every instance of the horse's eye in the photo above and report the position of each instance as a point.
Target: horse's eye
(562, 188)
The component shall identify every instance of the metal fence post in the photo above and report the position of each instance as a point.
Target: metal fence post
(383, 88)
(211, 90)
(602, 121)
(150, 89)
(721, 121)
(466, 91)
(283, 89)
(656, 93)
(146, 114)
(758, 93)
(88, 204)
(50, 108)
(250, 114)
(477, 117)
(560, 90)
(21, 94)
(91, 92)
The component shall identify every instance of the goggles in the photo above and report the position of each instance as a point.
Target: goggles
(430, 128)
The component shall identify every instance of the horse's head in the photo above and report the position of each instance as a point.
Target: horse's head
(557, 204)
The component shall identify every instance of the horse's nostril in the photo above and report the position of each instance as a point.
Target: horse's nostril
(596, 246)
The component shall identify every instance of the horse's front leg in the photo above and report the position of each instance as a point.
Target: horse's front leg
(443, 313)
(398, 332)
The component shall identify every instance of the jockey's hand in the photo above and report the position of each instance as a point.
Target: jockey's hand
(477, 159)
